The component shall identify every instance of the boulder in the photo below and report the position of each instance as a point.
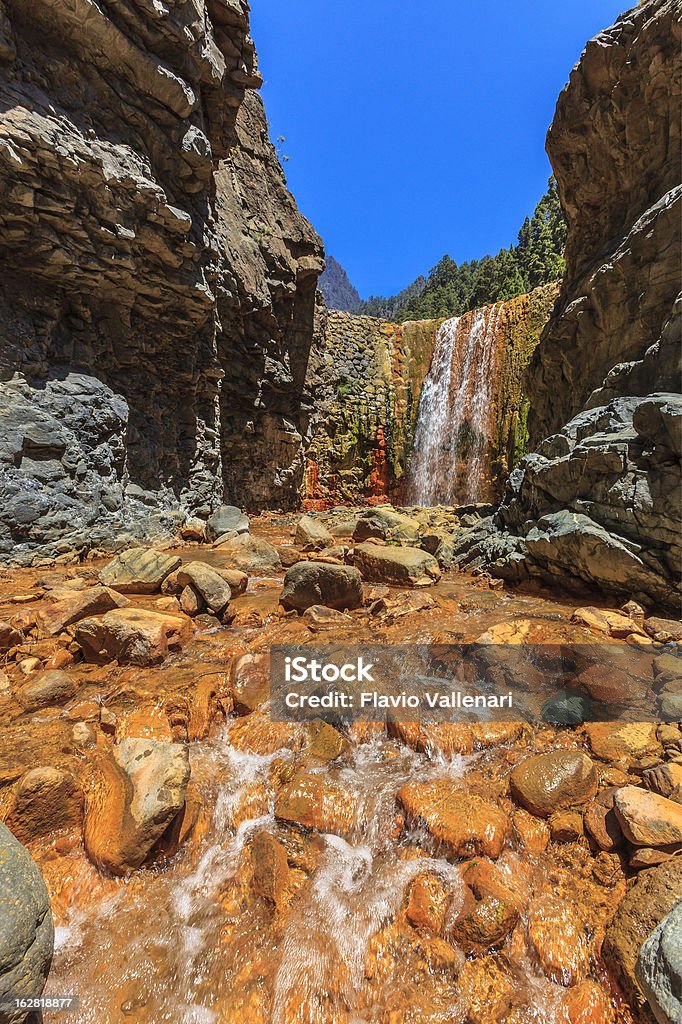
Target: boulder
(139, 571)
(558, 937)
(132, 636)
(211, 584)
(659, 968)
(27, 932)
(655, 893)
(318, 583)
(312, 535)
(54, 618)
(407, 567)
(664, 631)
(247, 552)
(554, 781)
(648, 819)
(45, 800)
(317, 802)
(46, 689)
(386, 524)
(227, 520)
(136, 792)
(462, 824)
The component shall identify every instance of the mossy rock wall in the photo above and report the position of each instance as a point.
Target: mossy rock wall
(364, 384)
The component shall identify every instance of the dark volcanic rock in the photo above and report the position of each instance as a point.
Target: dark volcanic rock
(307, 584)
(600, 497)
(157, 299)
(27, 932)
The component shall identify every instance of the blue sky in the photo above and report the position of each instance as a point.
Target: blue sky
(415, 129)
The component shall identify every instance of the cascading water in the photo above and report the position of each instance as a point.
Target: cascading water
(450, 460)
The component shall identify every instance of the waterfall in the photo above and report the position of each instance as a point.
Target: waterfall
(450, 460)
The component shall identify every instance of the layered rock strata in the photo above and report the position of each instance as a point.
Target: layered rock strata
(157, 300)
(599, 499)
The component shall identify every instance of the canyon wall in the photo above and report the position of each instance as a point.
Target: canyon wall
(600, 498)
(158, 286)
(365, 382)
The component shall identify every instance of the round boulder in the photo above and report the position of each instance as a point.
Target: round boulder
(551, 782)
(320, 583)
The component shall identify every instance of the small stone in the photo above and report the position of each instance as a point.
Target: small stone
(47, 689)
(554, 781)
(427, 903)
(271, 874)
(46, 800)
(566, 827)
(648, 819)
(532, 833)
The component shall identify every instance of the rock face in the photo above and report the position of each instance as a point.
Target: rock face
(158, 297)
(27, 933)
(599, 498)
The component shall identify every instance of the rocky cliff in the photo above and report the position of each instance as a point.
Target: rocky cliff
(365, 381)
(600, 498)
(158, 286)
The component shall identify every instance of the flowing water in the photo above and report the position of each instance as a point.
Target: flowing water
(452, 437)
(203, 939)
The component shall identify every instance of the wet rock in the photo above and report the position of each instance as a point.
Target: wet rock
(557, 936)
(191, 602)
(428, 902)
(312, 535)
(601, 821)
(9, 636)
(587, 1003)
(613, 741)
(485, 988)
(250, 682)
(271, 874)
(659, 968)
(648, 819)
(45, 800)
(139, 571)
(257, 734)
(47, 689)
(439, 738)
(27, 933)
(390, 610)
(485, 924)
(317, 583)
(325, 743)
(644, 906)
(227, 520)
(319, 618)
(462, 824)
(53, 619)
(566, 827)
(386, 524)
(532, 833)
(316, 802)
(554, 781)
(210, 584)
(247, 552)
(132, 636)
(407, 567)
(135, 794)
